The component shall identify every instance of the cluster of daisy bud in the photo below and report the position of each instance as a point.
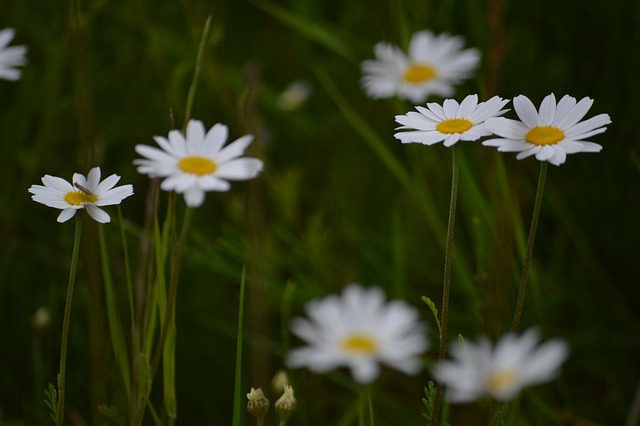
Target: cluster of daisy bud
(285, 406)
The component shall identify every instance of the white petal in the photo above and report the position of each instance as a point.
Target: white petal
(65, 215)
(106, 184)
(97, 214)
(195, 137)
(194, 197)
(215, 138)
(93, 179)
(548, 110)
(526, 111)
(450, 108)
(507, 128)
(233, 150)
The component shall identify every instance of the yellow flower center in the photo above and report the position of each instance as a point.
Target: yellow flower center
(197, 165)
(361, 344)
(418, 73)
(544, 135)
(501, 381)
(454, 125)
(76, 198)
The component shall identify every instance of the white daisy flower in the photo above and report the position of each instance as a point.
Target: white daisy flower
(198, 163)
(433, 65)
(10, 57)
(550, 133)
(359, 330)
(479, 369)
(449, 123)
(83, 193)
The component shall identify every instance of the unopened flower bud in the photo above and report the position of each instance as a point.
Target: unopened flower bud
(286, 405)
(41, 319)
(258, 404)
(280, 381)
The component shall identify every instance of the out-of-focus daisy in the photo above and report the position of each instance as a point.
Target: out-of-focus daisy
(433, 65)
(550, 133)
(450, 122)
(83, 193)
(295, 95)
(10, 57)
(502, 371)
(197, 163)
(359, 330)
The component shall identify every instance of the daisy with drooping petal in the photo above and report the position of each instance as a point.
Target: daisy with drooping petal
(550, 133)
(83, 193)
(197, 163)
(433, 65)
(359, 330)
(450, 122)
(10, 57)
(502, 371)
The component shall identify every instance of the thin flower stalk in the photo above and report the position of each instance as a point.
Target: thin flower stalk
(522, 287)
(444, 321)
(65, 321)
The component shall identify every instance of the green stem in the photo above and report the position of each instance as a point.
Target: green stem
(237, 393)
(65, 321)
(371, 421)
(444, 321)
(194, 82)
(522, 289)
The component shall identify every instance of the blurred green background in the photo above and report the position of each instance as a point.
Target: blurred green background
(102, 77)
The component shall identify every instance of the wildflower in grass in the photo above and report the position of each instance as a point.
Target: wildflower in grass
(450, 122)
(83, 193)
(10, 57)
(502, 371)
(359, 330)
(550, 133)
(432, 66)
(197, 163)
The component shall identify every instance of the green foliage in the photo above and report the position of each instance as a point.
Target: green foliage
(112, 414)
(51, 401)
(340, 201)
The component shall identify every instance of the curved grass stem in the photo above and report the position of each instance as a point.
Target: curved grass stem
(522, 288)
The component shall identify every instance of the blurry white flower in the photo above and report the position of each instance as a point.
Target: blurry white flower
(502, 371)
(550, 133)
(10, 57)
(295, 95)
(449, 123)
(359, 330)
(83, 193)
(433, 65)
(198, 163)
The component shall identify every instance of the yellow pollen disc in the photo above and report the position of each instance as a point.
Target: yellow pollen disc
(360, 344)
(544, 135)
(197, 165)
(76, 198)
(454, 125)
(501, 381)
(419, 73)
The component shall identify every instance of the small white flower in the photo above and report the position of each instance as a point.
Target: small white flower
(434, 64)
(449, 123)
(83, 193)
(10, 57)
(550, 133)
(198, 163)
(479, 369)
(295, 95)
(359, 330)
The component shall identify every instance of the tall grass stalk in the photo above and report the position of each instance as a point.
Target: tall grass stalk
(113, 316)
(522, 288)
(65, 320)
(444, 321)
(237, 385)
